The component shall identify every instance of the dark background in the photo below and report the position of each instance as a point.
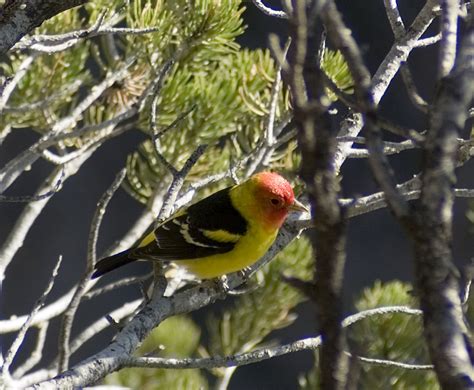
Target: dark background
(377, 247)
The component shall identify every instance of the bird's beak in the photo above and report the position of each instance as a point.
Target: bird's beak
(298, 206)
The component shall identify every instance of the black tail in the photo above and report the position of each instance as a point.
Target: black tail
(110, 263)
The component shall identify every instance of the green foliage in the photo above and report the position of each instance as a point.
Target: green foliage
(395, 337)
(164, 338)
(47, 77)
(231, 99)
(338, 71)
(230, 89)
(255, 315)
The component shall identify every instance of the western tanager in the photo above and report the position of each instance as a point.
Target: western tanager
(225, 232)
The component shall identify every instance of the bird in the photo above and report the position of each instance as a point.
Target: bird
(223, 233)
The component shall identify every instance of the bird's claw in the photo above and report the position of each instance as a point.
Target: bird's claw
(244, 273)
(222, 284)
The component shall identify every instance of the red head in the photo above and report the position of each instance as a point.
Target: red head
(275, 198)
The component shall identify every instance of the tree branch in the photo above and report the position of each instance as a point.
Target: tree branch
(436, 276)
(19, 17)
(318, 143)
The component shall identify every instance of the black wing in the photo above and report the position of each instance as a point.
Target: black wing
(210, 226)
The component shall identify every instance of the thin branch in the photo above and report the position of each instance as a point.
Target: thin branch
(21, 17)
(56, 43)
(399, 52)
(17, 165)
(36, 354)
(10, 85)
(423, 42)
(392, 363)
(393, 16)
(269, 11)
(177, 183)
(241, 359)
(389, 148)
(46, 102)
(69, 314)
(25, 221)
(115, 285)
(12, 351)
(340, 35)
(352, 124)
(413, 94)
(35, 198)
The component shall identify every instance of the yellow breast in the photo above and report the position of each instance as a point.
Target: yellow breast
(247, 251)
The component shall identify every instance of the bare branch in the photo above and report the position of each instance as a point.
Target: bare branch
(35, 198)
(59, 42)
(10, 355)
(16, 166)
(436, 276)
(413, 94)
(21, 17)
(36, 353)
(392, 363)
(393, 16)
(423, 42)
(398, 54)
(69, 314)
(262, 354)
(17, 235)
(9, 85)
(269, 11)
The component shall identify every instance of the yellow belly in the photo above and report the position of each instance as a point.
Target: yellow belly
(247, 251)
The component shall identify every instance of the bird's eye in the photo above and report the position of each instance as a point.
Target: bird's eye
(275, 201)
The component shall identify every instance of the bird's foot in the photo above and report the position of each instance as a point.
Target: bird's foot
(222, 284)
(244, 273)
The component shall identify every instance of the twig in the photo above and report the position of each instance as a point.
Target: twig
(423, 42)
(115, 285)
(17, 165)
(69, 314)
(19, 18)
(352, 124)
(44, 103)
(262, 354)
(35, 198)
(11, 84)
(177, 183)
(413, 94)
(401, 49)
(269, 11)
(338, 32)
(56, 43)
(4, 133)
(389, 148)
(25, 221)
(36, 354)
(10, 355)
(392, 363)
